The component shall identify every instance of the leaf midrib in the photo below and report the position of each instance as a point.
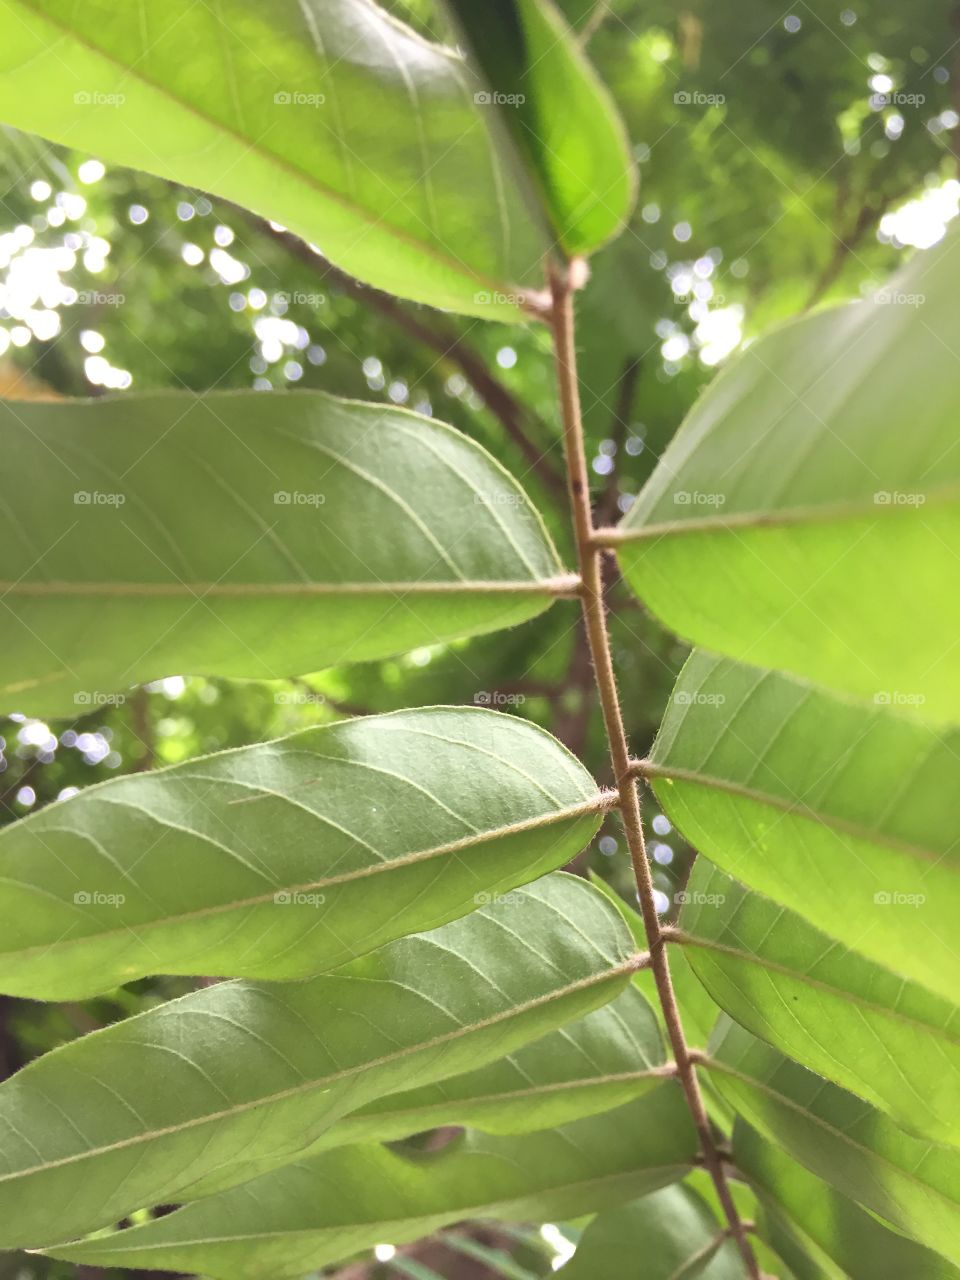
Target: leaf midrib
(695, 940)
(714, 1064)
(798, 808)
(470, 1210)
(595, 804)
(535, 586)
(821, 513)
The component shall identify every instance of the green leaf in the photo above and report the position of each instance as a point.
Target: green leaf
(319, 1211)
(912, 1183)
(289, 858)
(255, 1072)
(841, 812)
(603, 1061)
(672, 1230)
(557, 113)
(822, 1234)
(327, 116)
(809, 504)
(845, 1017)
(217, 535)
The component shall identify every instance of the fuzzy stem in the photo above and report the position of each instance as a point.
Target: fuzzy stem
(589, 554)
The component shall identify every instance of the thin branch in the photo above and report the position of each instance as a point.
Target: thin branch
(594, 613)
(517, 420)
(142, 724)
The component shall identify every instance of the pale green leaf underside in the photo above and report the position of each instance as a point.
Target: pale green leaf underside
(289, 858)
(910, 1182)
(884, 1038)
(225, 535)
(820, 1233)
(672, 1230)
(326, 116)
(321, 1210)
(811, 502)
(842, 812)
(256, 1072)
(603, 1061)
(600, 1062)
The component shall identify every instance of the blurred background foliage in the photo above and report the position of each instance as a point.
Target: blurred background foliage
(787, 160)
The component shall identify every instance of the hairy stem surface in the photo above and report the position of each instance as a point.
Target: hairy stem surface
(595, 621)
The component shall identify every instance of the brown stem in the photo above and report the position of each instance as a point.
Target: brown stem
(514, 416)
(594, 614)
(142, 725)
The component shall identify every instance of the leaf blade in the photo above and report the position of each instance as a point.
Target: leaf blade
(776, 780)
(862, 526)
(337, 122)
(256, 1071)
(357, 531)
(281, 1224)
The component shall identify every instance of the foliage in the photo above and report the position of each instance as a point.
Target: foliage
(397, 721)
